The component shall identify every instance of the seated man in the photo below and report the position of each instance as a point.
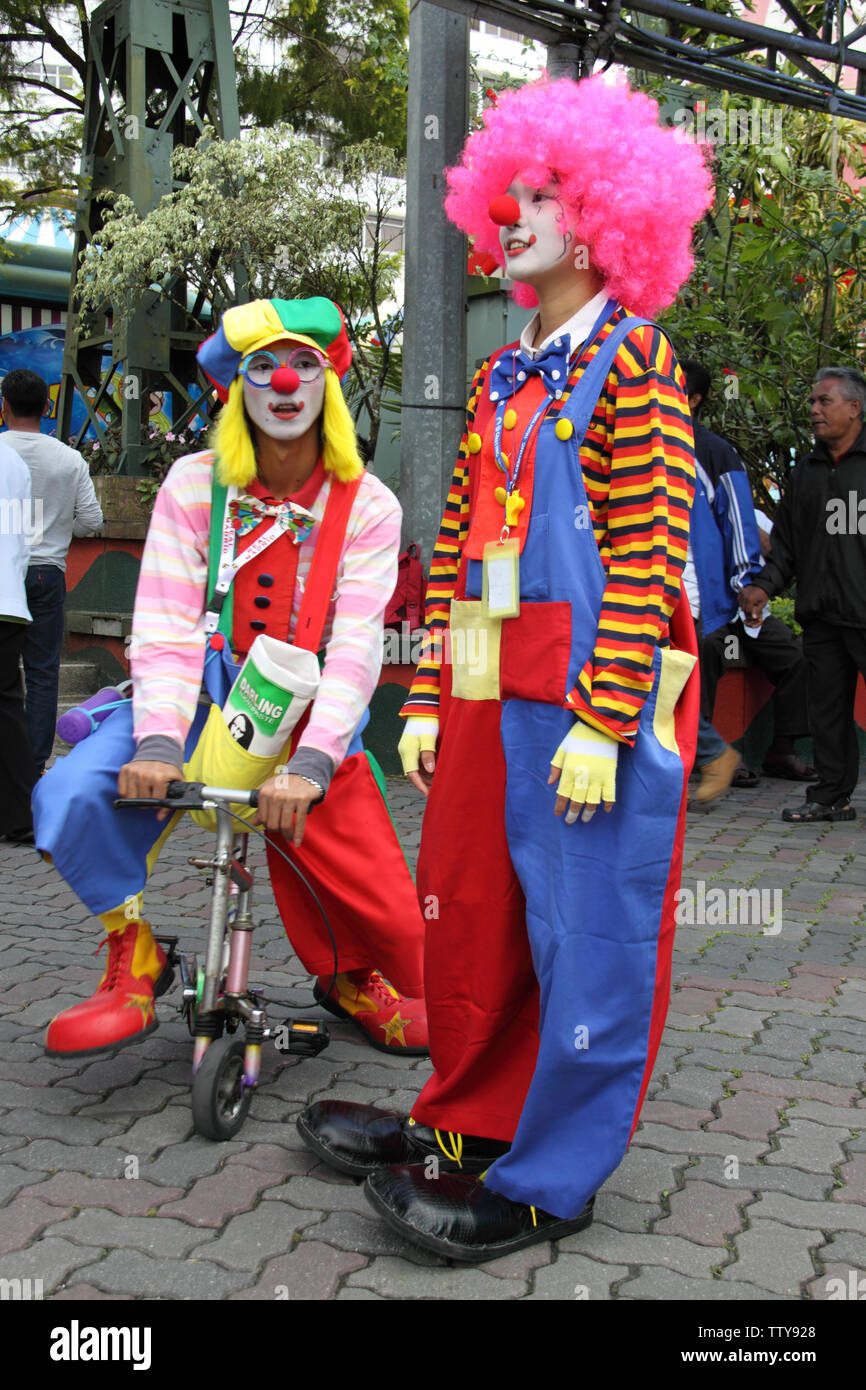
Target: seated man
(278, 530)
(725, 555)
(547, 970)
(771, 647)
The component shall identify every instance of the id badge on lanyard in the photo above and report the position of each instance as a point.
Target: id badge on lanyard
(500, 561)
(500, 579)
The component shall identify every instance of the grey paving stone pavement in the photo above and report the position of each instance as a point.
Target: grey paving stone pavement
(744, 1181)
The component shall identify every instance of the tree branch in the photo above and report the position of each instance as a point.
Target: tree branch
(15, 81)
(59, 44)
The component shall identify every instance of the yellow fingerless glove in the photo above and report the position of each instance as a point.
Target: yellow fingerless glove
(587, 761)
(419, 736)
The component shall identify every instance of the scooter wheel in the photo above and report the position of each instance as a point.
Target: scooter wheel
(220, 1100)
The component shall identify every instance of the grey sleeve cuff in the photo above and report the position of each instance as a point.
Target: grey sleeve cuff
(312, 762)
(158, 748)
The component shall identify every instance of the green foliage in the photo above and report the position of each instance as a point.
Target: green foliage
(779, 287)
(163, 450)
(343, 72)
(41, 113)
(263, 218)
(783, 607)
(485, 90)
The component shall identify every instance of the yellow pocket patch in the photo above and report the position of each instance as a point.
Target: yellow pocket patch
(475, 642)
(675, 670)
(219, 761)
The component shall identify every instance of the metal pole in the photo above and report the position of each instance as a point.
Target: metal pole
(434, 341)
(563, 60)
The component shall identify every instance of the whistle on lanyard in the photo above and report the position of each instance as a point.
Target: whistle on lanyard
(513, 504)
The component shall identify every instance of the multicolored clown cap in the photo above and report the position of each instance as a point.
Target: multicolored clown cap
(249, 327)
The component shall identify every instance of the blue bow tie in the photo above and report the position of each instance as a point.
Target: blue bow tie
(512, 369)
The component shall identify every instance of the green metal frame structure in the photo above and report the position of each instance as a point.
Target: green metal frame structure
(158, 71)
(680, 40)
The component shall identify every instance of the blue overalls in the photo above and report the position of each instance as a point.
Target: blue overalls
(598, 895)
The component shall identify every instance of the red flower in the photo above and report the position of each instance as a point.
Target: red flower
(483, 264)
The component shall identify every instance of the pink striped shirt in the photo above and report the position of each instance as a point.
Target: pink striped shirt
(168, 643)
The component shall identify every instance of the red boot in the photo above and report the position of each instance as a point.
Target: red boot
(121, 1011)
(388, 1020)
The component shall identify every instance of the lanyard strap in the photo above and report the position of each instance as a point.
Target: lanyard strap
(513, 474)
(223, 564)
(320, 579)
(229, 564)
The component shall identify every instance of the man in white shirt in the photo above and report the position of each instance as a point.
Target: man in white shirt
(65, 504)
(17, 773)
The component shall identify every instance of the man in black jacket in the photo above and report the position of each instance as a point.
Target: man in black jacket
(820, 537)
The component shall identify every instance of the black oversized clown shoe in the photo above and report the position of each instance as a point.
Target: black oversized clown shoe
(456, 1216)
(361, 1139)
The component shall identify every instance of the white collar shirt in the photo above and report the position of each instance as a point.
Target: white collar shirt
(578, 327)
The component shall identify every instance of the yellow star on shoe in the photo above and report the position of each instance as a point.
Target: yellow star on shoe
(144, 1004)
(394, 1029)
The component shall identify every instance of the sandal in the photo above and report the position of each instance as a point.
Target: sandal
(745, 777)
(815, 810)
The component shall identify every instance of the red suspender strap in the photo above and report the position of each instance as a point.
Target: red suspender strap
(323, 571)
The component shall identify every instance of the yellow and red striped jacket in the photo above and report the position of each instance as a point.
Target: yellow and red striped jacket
(638, 472)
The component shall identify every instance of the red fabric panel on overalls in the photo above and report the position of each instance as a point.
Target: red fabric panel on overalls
(481, 989)
(351, 855)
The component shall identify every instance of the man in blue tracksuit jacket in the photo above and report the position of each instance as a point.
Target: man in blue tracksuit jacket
(724, 557)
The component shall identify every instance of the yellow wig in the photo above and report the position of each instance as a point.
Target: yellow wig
(232, 441)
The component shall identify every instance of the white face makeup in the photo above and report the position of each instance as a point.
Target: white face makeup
(537, 242)
(282, 415)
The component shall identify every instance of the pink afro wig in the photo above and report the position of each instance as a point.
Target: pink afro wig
(632, 189)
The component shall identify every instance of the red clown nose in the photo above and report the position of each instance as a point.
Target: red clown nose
(285, 380)
(504, 210)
